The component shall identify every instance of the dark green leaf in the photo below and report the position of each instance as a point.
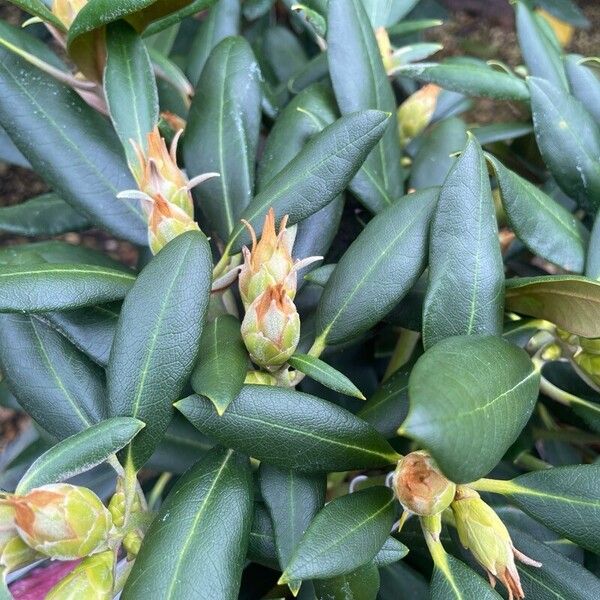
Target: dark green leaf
(320, 276)
(43, 215)
(434, 159)
(318, 174)
(293, 500)
(568, 139)
(70, 144)
(388, 406)
(291, 430)
(172, 18)
(130, 87)
(346, 534)
(313, 71)
(383, 263)
(91, 329)
(361, 584)
(360, 82)
(157, 339)
(501, 132)
(222, 132)
(466, 274)
(541, 223)
(38, 9)
(392, 551)
(585, 85)
(56, 384)
(456, 581)
(540, 54)
(400, 576)
(592, 263)
(569, 301)
(223, 21)
(483, 393)
(261, 546)
(325, 374)
(283, 52)
(79, 452)
(566, 499)
(221, 369)
(207, 514)
(43, 287)
(410, 26)
(469, 79)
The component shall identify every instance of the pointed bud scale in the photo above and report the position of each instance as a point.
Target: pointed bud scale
(165, 222)
(271, 328)
(483, 533)
(92, 579)
(67, 10)
(14, 552)
(415, 113)
(62, 521)
(420, 486)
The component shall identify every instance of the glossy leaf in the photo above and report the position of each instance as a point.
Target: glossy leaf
(388, 406)
(569, 301)
(57, 385)
(392, 551)
(325, 374)
(222, 132)
(221, 368)
(130, 87)
(360, 82)
(293, 499)
(383, 262)
(400, 576)
(539, 52)
(455, 581)
(346, 534)
(434, 158)
(469, 79)
(222, 21)
(47, 214)
(291, 430)
(568, 139)
(91, 329)
(466, 274)
(157, 339)
(43, 287)
(565, 499)
(261, 545)
(361, 584)
(541, 223)
(208, 513)
(483, 393)
(585, 85)
(318, 174)
(79, 452)
(68, 142)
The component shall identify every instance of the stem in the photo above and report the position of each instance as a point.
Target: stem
(405, 346)
(123, 570)
(432, 527)
(223, 263)
(530, 463)
(157, 490)
(318, 346)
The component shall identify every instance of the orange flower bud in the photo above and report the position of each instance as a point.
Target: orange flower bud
(420, 486)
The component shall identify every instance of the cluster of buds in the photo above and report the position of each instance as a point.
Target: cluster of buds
(117, 507)
(416, 112)
(481, 531)
(164, 189)
(67, 10)
(60, 521)
(584, 354)
(92, 578)
(267, 283)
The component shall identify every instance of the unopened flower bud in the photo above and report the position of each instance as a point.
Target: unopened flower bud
(271, 328)
(14, 552)
(132, 543)
(67, 10)
(91, 579)
(118, 503)
(415, 113)
(420, 486)
(482, 532)
(62, 521)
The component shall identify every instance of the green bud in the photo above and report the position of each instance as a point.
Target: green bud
(92, 579)
(14, 552)
(132, 543)
(589, 363)
(420, 486)
(415, 113)
(271, 328)
(483, 533)
(62, 521)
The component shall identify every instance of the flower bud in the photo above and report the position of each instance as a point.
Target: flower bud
(118, 504)
(420, 486)
(91, 579)
(14, 552)
(385, 49)
(67, 10)
(415, 113)
(62, 521)
(269, 262)
(271, 328)
(132, 542)
(483, 533)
